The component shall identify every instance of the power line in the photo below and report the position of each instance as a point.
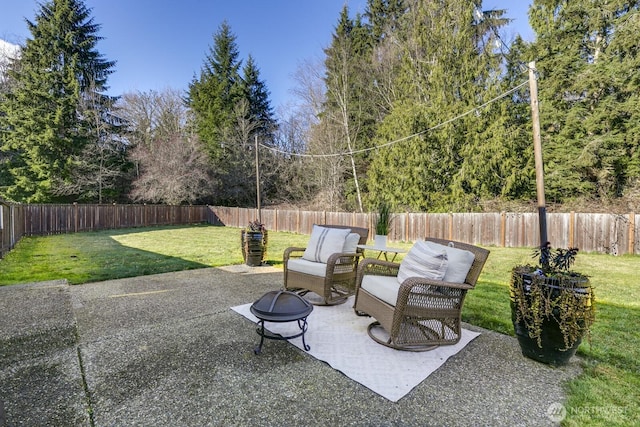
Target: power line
(387, 144)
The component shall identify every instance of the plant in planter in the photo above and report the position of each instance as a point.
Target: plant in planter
(383, 221)
(552, 307)
(254, 243)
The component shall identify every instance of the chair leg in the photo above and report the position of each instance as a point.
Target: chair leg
(391, 344)
(321, 300)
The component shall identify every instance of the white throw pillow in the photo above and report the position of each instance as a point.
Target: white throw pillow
(324, 242)
(351, 243)
(460, 262)
(422, 261)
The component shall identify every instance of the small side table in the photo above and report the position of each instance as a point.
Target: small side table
(384, 251)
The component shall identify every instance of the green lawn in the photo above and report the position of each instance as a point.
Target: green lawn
(606, 394)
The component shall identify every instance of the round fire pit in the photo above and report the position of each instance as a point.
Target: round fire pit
(281, 306)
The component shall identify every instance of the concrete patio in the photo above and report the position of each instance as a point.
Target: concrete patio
(166, 350)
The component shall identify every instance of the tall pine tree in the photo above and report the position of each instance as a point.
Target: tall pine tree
(256, 93)
(586, 53)
(229, 109)
(42, 118)
(213, 96)
(444, 72)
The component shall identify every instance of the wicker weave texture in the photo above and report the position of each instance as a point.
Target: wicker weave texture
(427, 312)
(339, 280)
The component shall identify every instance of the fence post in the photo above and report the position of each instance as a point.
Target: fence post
(503, 229)
(12, 226)
(406, 227)
(572, 227)
(450, 225)
(632, 233)
(426, 225)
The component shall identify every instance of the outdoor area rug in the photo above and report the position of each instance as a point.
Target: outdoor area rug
(338, 337)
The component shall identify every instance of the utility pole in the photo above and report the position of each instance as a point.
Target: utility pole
(537, 150)
(258, 182)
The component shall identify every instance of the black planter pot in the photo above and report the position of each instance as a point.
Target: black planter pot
(552, 349)
(254, 247)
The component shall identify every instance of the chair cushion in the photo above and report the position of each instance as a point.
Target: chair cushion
(324, 242)
(423, 261)
(351, 243)
(381, 287)
(460, 262)
(308, 267)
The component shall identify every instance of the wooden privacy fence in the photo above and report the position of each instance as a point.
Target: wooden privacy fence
(605, 233)
(591, 232)
(11, 226)
(18, 220)
(56, 219)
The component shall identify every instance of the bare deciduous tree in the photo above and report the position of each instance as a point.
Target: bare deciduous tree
(172, 171)
(171, 166)
(317, 177)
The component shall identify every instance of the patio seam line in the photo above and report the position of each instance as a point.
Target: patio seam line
(85, 386)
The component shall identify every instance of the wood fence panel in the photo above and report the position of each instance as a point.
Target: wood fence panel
(340, 218)
(516, 223)
(557, 227)
(438, 225)
(11, 226)
(608, 233)
(86, 218)
(634, 234)
(286, 220)
(308, 218)
(408, 227)
(462, 227)
(222, 215)
(489, 231)
(604, 233)
(477, 228)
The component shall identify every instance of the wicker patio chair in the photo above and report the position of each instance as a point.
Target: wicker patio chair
(426, 313)
(334, 280)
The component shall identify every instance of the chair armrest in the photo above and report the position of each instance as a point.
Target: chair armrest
(378, 267)
(371, 266)
(342, 258)
(342, 263)
(423, 281)
(292, 252)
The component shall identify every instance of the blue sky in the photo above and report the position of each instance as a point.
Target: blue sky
(160, 44)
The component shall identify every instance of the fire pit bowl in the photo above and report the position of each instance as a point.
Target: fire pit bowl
(281, 306)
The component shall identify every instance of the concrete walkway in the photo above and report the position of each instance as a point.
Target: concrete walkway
(166, 350)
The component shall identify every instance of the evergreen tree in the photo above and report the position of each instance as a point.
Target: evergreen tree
(587, 57)
(257, 95)
(384, 17)
(213, 96)
(228, 111)
(99, 173)
(445, 72)
(349, 109)
(497, 156)
(41, 115)
(261, 112)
